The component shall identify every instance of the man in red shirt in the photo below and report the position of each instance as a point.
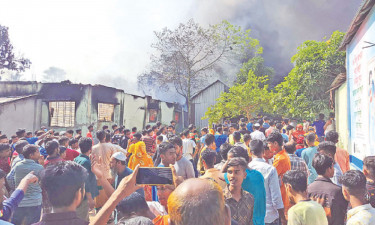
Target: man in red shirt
(70, 153)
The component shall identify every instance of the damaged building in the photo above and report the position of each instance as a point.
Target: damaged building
(62, 106)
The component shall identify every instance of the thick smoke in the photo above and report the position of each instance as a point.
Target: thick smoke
(280, 26)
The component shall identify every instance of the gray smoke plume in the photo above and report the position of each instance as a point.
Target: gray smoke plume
(280, 26)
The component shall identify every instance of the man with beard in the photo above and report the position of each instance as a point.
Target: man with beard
(119, 170)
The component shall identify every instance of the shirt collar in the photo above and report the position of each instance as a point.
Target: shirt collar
(357, 209)
(321, 178)
(281, 152)
(258, 160)
(228, 194)
(59, 216)
(84, 156)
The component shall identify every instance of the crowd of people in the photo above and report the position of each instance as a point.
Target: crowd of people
(261, 171)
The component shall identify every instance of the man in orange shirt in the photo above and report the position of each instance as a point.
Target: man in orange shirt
(281, 162)
(341, 156)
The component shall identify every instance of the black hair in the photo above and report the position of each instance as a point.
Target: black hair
(105, 127)
(28, 150)
(297, 179)
(321, 116)
(85, 144)
(160, 138)
(113, 126)
(61, 181)
(289, 127)
(238, 151)
(78, 130)
(186, 133)
(279, 126)
(149, 131)
(204, 129)
(154, 127)
(4, 146)
(90, 126)
(134, 203)
(126, 131)
(164, 147)
(171, 126)
(100, 134)
(28, 133)
(209, 139)
(237, 136)
(158, 123)
(63, 140)
(257, 147)
(286, 120)
(224, 149)
(172, 121)
(246, 137)
(107, 137)
(175, 140)
(272, 123)
(51, 146)
(138, 136)
(209, 157)
(191, 127)
(332, 136)
(290, 147)
(70, 132)
(144, 132)
(234, 125)
(275, 136)
(321, 163)
(310, 138)
(134, 129)
(355, 182)
(219, 129)
(72, 141)
(19, 146)
(369, 163)
(328, 147)
(238, 161)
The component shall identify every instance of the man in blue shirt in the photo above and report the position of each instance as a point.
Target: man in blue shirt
(220, 138)
(250, 125)
(119, 170)
(266, 124)
(91, 187)
(308, 155)
(29, 209)
(21, 133)
(319, 127)
(253, 183)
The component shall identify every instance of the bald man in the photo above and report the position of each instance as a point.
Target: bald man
(200, 202)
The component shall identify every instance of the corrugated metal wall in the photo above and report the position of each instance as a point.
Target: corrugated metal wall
(204, 100)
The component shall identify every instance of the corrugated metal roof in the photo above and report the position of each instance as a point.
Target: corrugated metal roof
(226, 86)
(4, 100)
(361, 15)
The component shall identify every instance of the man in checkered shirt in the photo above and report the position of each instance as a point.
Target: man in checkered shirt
(296, 162)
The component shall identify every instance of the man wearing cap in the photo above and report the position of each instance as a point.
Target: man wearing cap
(257, 135)
(119, 169)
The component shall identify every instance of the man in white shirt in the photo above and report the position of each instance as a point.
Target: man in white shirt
(274, 202)
(354, 191)
(188, 146)
(237, 140)
(257, 135)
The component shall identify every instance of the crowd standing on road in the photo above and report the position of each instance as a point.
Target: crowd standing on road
(257, 171)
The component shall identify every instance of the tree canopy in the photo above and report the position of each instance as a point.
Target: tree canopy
(8, 59)
(303, 93)
(242, 99)
(187, 55)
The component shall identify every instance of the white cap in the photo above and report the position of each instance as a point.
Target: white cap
(257, 125)
(119, 156)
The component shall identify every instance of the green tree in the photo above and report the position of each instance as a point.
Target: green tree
(255, 64)
(242, 99)
(303, 92)
(186, 56)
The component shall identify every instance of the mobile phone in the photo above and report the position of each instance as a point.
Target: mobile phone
(154, 176)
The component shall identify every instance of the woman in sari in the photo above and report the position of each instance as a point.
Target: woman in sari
(139, 156)
(298, 136)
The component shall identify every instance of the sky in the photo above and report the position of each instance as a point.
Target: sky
(109, 41)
